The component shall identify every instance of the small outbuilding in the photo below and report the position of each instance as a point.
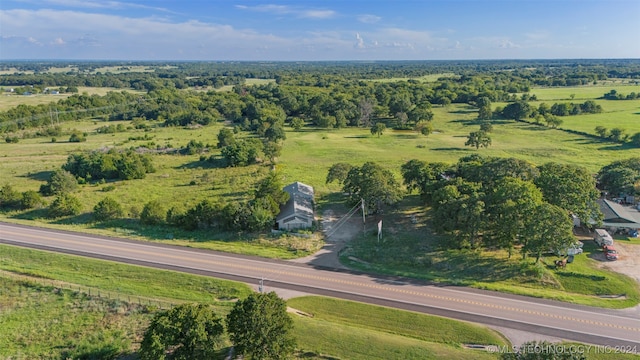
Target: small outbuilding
(297, 213)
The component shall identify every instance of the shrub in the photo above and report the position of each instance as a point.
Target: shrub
(77, 136)
(30, 200)
(12, 139)
(9, 198)
(64, 205)
(59, 182)
(107, 209)
(153, 213)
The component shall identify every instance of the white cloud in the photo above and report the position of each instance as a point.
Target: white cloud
(359, 42)
(58, 41)
(93, 4)
(88, 35)
(507, 44)
(368, 18)
(290, 10)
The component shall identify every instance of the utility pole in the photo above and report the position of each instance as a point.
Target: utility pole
(364, 219)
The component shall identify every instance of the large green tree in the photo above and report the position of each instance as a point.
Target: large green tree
(547, 227)
(484, 108)
(374, 184)
(620, 176)
(260, 328)
(185, 332)
(378, 129)
(458, 210)
(509, 203)
(478, 139)
(338, 172)
(570, 187)
(517, 110)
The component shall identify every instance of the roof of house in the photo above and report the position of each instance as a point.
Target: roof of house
(300, 204)
(616, 215)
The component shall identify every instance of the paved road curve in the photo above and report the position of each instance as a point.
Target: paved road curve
(580, 323)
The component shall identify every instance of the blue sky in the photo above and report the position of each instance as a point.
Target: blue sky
(318, 29)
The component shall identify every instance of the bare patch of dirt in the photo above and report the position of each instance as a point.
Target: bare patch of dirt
(628, 262)
(337, 230)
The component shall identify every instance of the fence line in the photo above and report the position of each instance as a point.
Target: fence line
(93, 292)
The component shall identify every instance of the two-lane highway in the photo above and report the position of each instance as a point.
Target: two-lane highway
(579, 323)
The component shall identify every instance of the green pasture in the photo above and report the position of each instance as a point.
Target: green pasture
(180, 181)
(8, 101)
(349, 330)
(583, 93)
(121, 278)
(38, 323)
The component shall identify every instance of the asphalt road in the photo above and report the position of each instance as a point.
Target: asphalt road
(611, 328)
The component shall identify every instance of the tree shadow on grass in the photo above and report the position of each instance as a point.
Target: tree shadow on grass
(618, 147)
(105, 352)
(83, 218)
(472, 266)
(217, 162)
(406, 136)
(571, 274)
(40, 175)
(357, 137)
(32, 214)
(452, 149)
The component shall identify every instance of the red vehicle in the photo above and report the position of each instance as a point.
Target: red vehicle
(610, 252)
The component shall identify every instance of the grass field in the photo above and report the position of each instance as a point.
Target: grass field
(10, 101)
(410, 249)
(184, 180)
(120, 278)
(39, 321)
(349, 330)
(582, 92)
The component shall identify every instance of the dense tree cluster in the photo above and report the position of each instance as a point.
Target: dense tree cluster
(256, 214)
(259, 327)
(323, 94)
(505, 202)
(370, 182)
(621, 177)
(98, 165)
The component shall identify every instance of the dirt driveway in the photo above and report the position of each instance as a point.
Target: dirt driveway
(628, 262)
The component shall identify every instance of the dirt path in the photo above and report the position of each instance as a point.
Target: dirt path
(337, 232)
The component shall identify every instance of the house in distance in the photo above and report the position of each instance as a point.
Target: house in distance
(297, 213)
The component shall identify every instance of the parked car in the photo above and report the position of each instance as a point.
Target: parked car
(610, 252)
